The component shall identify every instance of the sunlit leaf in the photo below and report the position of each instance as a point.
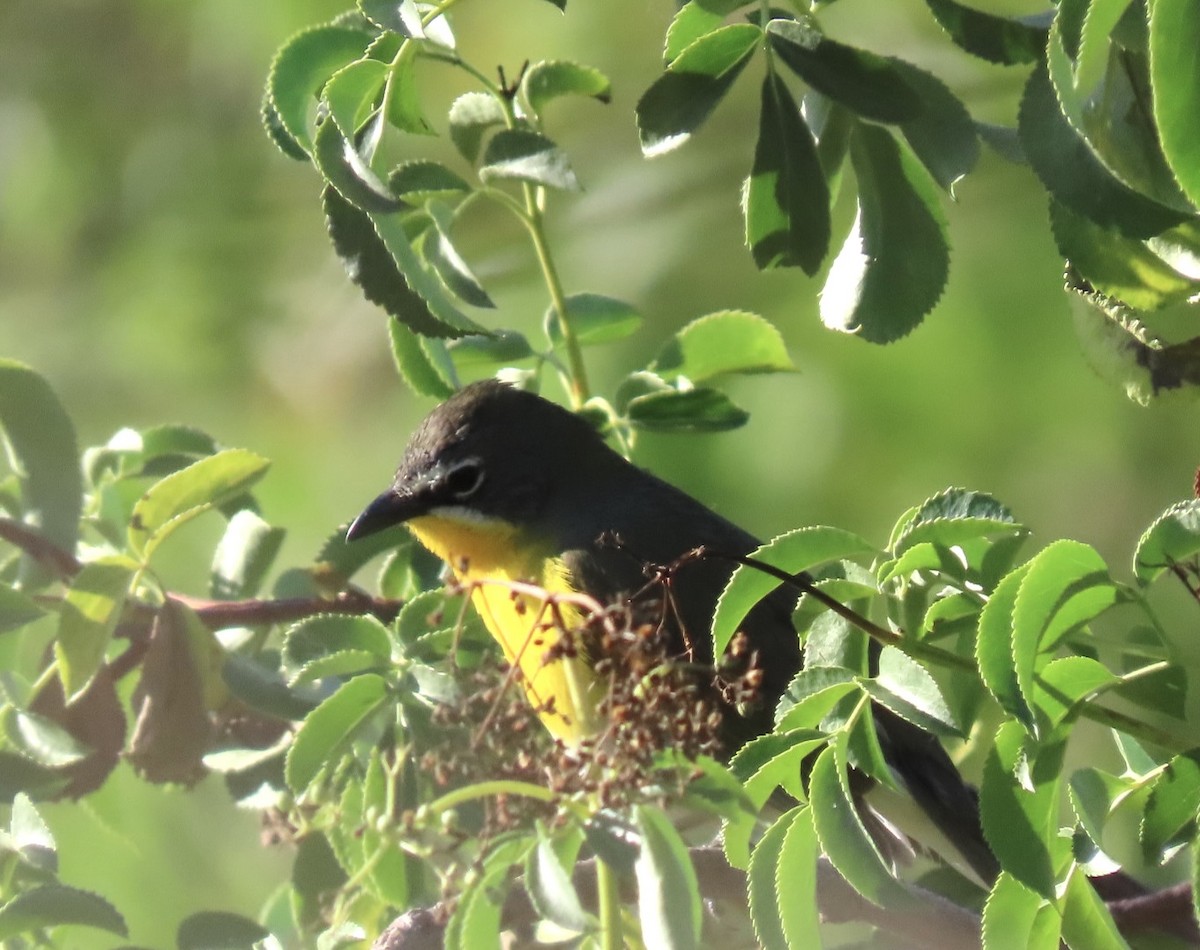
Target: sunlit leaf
(729, 341)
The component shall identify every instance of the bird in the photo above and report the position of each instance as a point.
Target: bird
(506, 487)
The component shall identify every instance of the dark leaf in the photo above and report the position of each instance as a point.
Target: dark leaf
(994, 38)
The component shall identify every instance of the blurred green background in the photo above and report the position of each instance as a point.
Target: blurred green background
(160, 261)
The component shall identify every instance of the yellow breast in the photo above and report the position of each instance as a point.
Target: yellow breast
(494, 551)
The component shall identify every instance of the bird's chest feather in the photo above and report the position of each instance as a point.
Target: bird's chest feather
(496, 557)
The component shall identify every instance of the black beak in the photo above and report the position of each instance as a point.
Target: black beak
(390, 508)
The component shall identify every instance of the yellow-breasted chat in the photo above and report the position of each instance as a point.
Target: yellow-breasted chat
(506, 486)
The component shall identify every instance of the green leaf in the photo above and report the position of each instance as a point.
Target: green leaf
(40, 739)
(1173, 805)
(594, 318)
(693, 20)
(685, 410)
(506, 346)
(863, 82)
(471, 115)
(773, 761)
(1116, 265)
(328, 729)
(1086, 921)
(994, 648)
(955, 516)
(53, 905)
(31, 836)
(764, 870)
(1067, 584)
(1064, 684)
(1018, 805)
(90, 613)
(190, 492)
(943, 135)
(683, 97)
(340, 162)
(41, 446)
(417, 368)
(1071, 171)
(796, 881)
(843, 837)
(548, 80)
(1175, 78)
(17, 609)
(400, 16)
(404, 102)
(729, 341)
(551, 890)
(793, 552)
(323, 635)
(351, 94)
(906, 688)
(669, 906)
(786, 199)
(994, 38)
(521, 155)
(263, 689)
(893, 266)
(210, 929)
(1172, 539)
(419, 181)
(441, 254)
(301, 69)
(1012, 908)
(244, 554)
(812, 696)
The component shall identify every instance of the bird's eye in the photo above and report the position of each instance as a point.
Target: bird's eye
(464, 479)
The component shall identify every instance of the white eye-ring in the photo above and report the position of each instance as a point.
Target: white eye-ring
(464, 479)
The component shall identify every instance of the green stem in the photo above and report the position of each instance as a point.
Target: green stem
(611, 935)
(497, 787)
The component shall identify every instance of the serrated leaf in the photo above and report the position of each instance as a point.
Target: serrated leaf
(953, 517)
(471, 115)
(300, 70)
(765, 910)
(40, 739)
(943, 136)
(321, 635)
(685, 410)
(994, 648)
(1064, 684)
(1116, 265)
(773, 761)
(684, 96)
(31, 836)
(796, 881)
(843, 837)
(594, 318)
(1012, 908)
(506, 346)
(729, 341)
(329, 728)
(550, 888)
(906, 688)
(1175, 78)
(521, 155)
(1018, 805)
(422, 374)
(342, 165)
(1067, 584)
(441, 254)
(793, 552)
(994, 38)
(1086, 921)
(40, 439)
(669, 906)
(863, 82)
(894, 264)
(812, 696)
(1071, 171)
(548, 80)
(400, 16)
(243, 556)
(189, 493)
(1173, 805)
(1172, 539)
(53, 905)
(264, 689)
(351, 94)
(210, 929)
(419, 181)
(90, 613)
(786, 199)
(403, 102)
(693, 20)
